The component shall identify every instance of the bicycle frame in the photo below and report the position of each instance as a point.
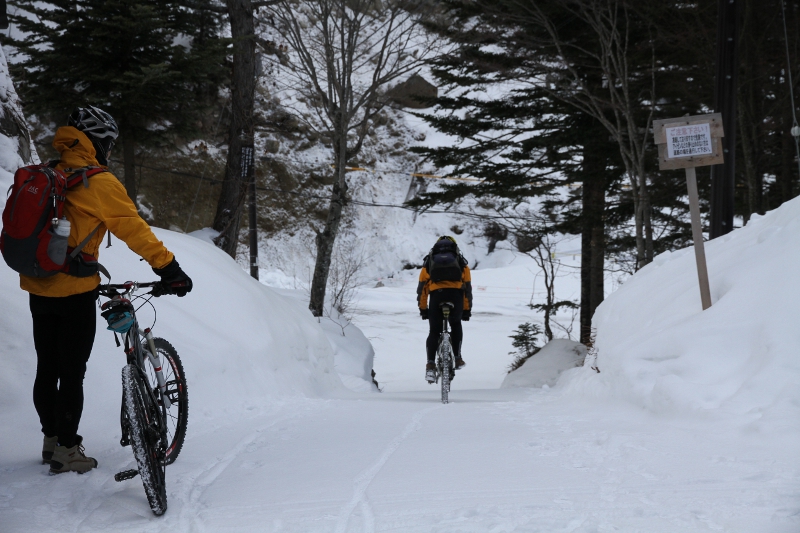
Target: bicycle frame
(135, 350)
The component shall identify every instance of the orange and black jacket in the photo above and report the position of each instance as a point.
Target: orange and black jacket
(105, 203)
(426, 285)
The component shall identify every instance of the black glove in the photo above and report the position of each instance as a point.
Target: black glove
(466, 314)
(424, 314)
(173, 280)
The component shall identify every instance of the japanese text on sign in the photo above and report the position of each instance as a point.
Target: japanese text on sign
(688, 141)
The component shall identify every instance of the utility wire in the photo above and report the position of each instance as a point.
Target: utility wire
(352, 201)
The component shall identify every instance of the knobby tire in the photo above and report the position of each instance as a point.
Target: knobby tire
(144, 426)
(444, 369)
(176, 417)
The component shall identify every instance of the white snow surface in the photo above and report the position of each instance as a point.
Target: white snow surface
(276, 443)
(544, 368)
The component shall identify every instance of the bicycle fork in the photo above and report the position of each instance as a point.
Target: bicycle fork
(162, 384)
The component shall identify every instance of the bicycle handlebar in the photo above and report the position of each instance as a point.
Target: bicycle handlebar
(110, 289)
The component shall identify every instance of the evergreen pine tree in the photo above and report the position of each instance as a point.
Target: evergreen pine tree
(527, 140)
(152, 64)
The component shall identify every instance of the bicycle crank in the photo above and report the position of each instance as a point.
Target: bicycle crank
(126, 474)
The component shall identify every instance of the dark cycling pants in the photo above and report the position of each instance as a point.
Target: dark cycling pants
(435, 319)
(63, 333)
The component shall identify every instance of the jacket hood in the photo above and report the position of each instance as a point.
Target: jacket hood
(75, 148)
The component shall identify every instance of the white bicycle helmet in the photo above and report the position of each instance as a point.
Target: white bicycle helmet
(94, 122)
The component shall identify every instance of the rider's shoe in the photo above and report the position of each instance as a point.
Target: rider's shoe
(460, 363)
(430, 373)
(48, 447)
(71, 459)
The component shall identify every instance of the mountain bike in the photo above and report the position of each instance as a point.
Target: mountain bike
(155, 403)
(444, 353)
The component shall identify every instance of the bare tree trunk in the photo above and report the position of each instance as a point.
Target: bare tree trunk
(749, 116)
(327, 238)
(129, 165)
(750, 154)
(647, 219)
(586, 270)
(592, 231)
(786, 178)
(598, 247)
(336, 42)
(549, 283)
(243, 83)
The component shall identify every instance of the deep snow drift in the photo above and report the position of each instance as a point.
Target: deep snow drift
(657, 348)
(546, 366)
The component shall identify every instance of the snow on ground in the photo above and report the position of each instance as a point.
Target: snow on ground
(518, 459)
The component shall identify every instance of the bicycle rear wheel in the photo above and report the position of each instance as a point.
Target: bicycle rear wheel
(176, 417)
(445, 361)
(145, 428)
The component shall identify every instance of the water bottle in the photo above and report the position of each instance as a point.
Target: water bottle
(62, 228)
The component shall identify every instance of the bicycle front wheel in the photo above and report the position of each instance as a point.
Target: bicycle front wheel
(145, 432)
(176, 417)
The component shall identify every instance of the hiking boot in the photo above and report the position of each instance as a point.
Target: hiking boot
(430, 373)
(460, 363)
(71, 459)
(48, 447)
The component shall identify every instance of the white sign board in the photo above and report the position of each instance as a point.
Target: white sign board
(689, 141)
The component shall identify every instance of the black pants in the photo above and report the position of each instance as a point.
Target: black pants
(435, 320)
(63, 333)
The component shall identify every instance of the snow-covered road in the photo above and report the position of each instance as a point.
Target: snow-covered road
(492, 460)
(669, 441)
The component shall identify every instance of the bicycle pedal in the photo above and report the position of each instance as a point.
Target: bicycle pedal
(125, 474)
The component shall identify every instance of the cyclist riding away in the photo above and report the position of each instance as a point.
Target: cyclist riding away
(444, 277)
(63, 305)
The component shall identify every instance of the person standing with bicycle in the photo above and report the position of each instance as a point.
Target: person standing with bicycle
(444, 277)
(63, 306)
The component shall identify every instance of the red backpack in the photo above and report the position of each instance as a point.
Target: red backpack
(35, 204)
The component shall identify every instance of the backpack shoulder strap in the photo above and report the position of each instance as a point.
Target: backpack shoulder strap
(82, 174)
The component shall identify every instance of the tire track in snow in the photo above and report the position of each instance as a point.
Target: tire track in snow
(362, 481)
(198, 483)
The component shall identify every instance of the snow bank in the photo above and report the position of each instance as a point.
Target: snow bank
(352, 351)
(544, 368)
(656, 347)
(241, 342)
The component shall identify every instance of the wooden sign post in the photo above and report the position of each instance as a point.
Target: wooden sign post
(690, 142)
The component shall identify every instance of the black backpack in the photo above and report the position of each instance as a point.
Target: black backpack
(445, 262)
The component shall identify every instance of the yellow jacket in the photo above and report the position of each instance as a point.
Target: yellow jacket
(104, 202)
(426, 285)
